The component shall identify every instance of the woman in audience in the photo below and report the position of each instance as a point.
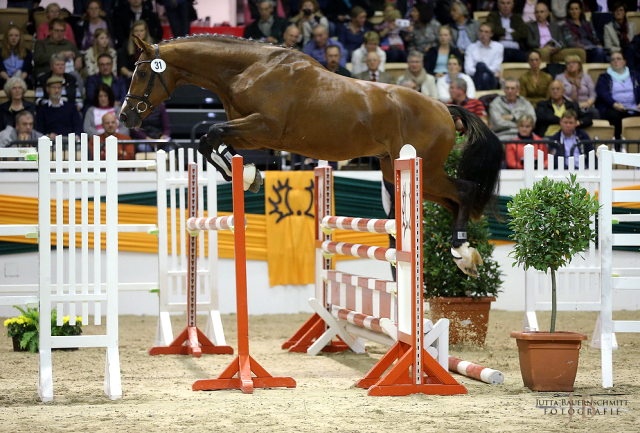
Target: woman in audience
(435, 61)
(618, 92)
(425, 83)
(309, 17)
(582, 32)
(129, 53)
(53, 11)
(101, 44)
(155, 126)
(454, 71)
(619, 33)
(549, 111)
(359, 56)
(534, 84)
(351, 34)
(92, 21)
(579, 86)
(390, 39)
(422, 34)
(515, 150)
(15, 89)
(104, 101)
(17, 60)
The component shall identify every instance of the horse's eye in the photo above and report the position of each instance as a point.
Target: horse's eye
(143, 74)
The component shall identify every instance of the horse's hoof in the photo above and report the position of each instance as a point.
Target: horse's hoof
(252, 178)
(467, 258)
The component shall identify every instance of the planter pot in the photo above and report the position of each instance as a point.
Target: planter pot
(549, 361)
(16, 344)
(469, 317)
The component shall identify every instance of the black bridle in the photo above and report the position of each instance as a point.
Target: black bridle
(145, 98)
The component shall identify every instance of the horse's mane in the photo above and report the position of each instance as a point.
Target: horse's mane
(207, 37)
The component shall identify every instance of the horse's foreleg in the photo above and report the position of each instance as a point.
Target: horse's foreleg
(219, 154)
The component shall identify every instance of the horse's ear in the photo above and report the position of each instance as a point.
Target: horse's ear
(141, 44)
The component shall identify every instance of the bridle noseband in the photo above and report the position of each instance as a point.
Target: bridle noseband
(145, 98)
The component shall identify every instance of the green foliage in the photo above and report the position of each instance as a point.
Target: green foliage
(27, 327)
(551, 223)
(442, 277)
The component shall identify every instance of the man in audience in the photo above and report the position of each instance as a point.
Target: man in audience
(292, 38)
(373, 73)
(110, 125)
(483, 59)
(104, 75)
(129, 12)
(71, 87)
(332, 57)
(22, 132)
(549, 39)
(509, 30)
(569, 140)
(315, 47)
(458, 92)
(506, 110)
(53, 44)
(54, 116)
(269, 27)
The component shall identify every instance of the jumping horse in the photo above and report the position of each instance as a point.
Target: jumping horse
(281, 99)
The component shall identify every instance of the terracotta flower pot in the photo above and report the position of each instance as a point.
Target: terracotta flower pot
(469, 317)
(549, 361)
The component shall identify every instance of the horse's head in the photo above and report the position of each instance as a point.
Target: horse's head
(145, 94)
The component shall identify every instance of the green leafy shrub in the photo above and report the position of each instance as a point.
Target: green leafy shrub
(26, 327)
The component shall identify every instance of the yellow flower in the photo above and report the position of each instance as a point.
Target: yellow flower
(65, 320)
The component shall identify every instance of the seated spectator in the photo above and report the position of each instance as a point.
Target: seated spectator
(422, 34)
(458, 91)
(569, 141)
(338, 11)
(408, 82)
(619, 33)
(359, 56)
(332, 58)
(515, 150)
(101, 45)
(425, 83)
(110, 124)
(351, 34)
(131, 12)
(14, 88)
(23, 130)
(483, 59)
(315, 47)
(16, 58)
(105, 76)
(549, 111)
(534, 84)
(579, 86)
(435, 61)
(549, 39)
(55, 117)
(582, 32)
(292, 38)
(71, 87)
(464, 30)
(373, 73)
(92, 20)
(155, 126)
(509, 30)
(618, 93)
(54, 44)
(52, 12)
(505, 111)
(390, 39)
(103, 102)
(308, 18)
(128, 54)
(527, 9)
(269, 27)
(455, 71)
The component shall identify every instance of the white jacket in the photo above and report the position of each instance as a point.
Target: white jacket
(443, 87)
(359, 60)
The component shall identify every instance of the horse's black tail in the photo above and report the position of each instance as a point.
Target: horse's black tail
(481, 158)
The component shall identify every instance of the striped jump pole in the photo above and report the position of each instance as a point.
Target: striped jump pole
(475, 371)
(243, 372)
(192, 341)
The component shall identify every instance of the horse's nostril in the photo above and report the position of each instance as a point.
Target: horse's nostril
(123, 117)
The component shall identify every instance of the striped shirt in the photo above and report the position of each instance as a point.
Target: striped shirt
(474, 105)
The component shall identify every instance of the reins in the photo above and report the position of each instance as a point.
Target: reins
(145, 98)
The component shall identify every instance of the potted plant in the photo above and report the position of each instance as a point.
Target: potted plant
(550, 223)
(24, 329)
(465, 301)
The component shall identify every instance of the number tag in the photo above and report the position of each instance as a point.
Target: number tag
(158, 65)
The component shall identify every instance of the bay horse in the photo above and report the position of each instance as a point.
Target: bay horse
(281, 99)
